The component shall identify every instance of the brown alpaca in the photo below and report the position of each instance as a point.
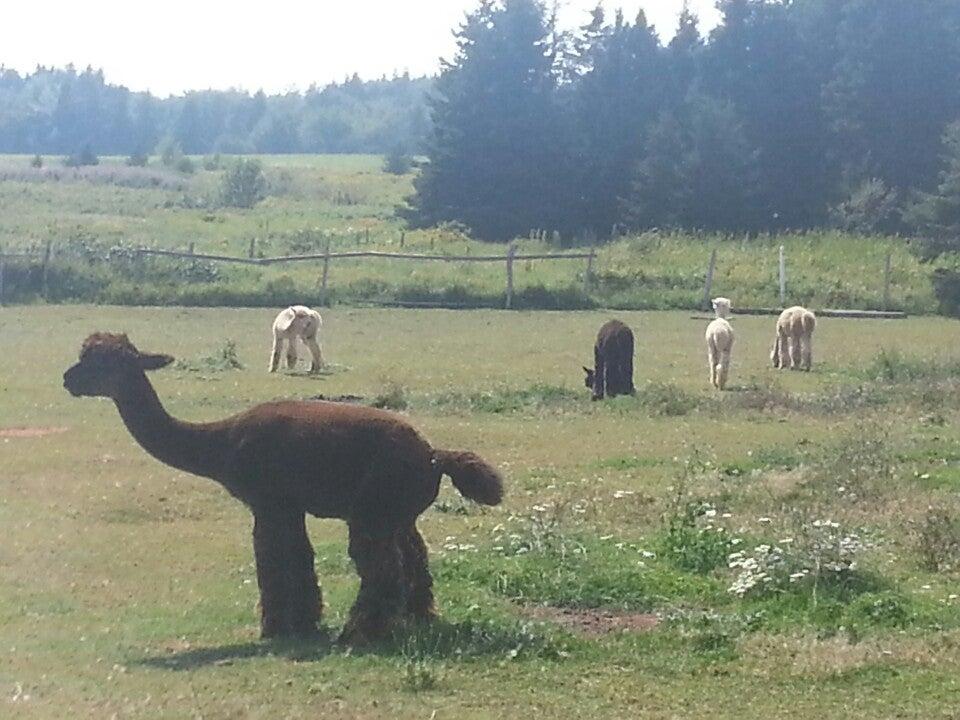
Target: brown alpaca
(612, 372)
(286, 459)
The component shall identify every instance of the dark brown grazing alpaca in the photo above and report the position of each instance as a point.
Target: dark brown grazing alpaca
(612, 372)
(286, 459)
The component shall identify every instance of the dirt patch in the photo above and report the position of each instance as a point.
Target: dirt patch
(30, 432)
(597, 622)
(339, 398)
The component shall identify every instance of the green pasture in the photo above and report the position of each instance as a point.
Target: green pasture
(127, 589)
(349, 203)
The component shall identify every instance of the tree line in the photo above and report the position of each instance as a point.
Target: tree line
(790, 114)
(65, 111)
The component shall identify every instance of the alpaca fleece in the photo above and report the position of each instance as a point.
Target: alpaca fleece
(793, 344)
(296, 323)
(288, 459)
(612, 372)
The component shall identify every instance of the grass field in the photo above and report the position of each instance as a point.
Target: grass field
(128, 588)
(350, 202)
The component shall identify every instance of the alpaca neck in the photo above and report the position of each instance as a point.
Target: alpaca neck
(191, 447)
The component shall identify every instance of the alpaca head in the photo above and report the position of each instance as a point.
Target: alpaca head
(107, 363)
(721, 306)
(588, 380)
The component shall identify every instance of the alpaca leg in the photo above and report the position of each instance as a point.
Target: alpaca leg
(712, 359)
(807, 351)
(306, 599)
(416, 568)
(599, 375)
(289, 595)
(628, 375)
(382, 588)
(275, 353)
(269, 548)
(795, 352)
(775, 353)
(292, 352)
(784, 349)
(316, 352)
(723, 369)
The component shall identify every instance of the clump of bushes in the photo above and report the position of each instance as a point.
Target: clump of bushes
(244, 184)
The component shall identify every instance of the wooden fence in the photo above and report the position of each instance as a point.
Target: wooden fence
(328, 257)
(512, 256)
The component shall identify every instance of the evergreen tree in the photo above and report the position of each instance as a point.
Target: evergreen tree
(771, 63)
(895, 88)
(936, 215)
(698, 172)
(617, 96)
(496, 154)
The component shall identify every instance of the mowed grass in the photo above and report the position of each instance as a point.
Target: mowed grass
(349, 203)
(128, 588)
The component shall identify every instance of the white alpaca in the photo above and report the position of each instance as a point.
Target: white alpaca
(793, 347)
(719, 337)
(296, 322)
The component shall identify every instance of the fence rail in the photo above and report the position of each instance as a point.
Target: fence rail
(326, 257)
(512, 256)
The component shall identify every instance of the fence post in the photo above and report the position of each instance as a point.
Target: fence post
(46, 269)
(708, 283)
(886, 282)
(783, 277)
(511, 251)
(190, 249)
(2, 260)
(326, 272)
(253, 248)
(403, 236)
(588, 275)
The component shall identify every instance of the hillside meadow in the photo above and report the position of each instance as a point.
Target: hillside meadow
(787, 548)
(93, 217)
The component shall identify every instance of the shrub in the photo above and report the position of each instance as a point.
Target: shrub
(36, 161)
(138, 159)
(85, 158)
(243, 184)
(946, 288)
(692, 542)
(397, 162)
(938, 541)
(185, 165)
(392, 397)
(871, 208)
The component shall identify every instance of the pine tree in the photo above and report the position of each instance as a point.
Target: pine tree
(699, 171)
(936, 215)
(894, 88)
(616, 99)
(496, 150)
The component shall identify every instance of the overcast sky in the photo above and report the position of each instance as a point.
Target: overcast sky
(176, 45)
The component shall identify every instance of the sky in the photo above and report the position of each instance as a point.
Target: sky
(173, 46)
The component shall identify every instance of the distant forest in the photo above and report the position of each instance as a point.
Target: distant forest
(790, 114)
(63, 111)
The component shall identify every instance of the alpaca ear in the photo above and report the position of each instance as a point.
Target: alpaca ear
(586, 369)
(154, 362)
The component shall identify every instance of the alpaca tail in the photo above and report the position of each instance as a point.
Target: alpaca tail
(474, 478)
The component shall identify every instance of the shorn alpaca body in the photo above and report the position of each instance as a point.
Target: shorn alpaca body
(719, 338)
(612, 372)
(287, 459)
(297, 322)
(793, 346)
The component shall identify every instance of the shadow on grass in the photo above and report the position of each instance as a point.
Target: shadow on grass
(299, 650)
(439, 640)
